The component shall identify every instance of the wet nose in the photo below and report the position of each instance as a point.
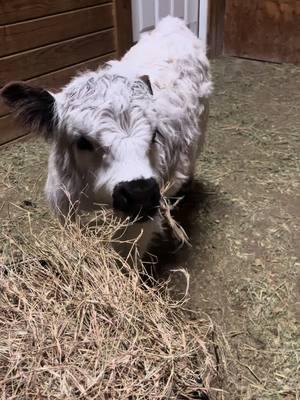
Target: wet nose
(138, 198)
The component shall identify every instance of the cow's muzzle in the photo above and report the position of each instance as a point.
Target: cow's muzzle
(139, 199)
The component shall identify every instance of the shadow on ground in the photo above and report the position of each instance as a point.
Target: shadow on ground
(194, 214)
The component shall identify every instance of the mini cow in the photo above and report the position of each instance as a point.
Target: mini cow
(120, 133)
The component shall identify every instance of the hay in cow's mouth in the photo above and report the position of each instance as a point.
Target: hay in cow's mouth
(77, 323)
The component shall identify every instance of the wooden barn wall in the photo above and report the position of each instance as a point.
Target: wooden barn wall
(46, 42)
(266, 30)
(215, 34)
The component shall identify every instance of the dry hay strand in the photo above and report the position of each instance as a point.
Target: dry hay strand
(77, 323)
(167, 205)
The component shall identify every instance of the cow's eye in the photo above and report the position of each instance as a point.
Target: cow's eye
(154, 136)
(84, 144)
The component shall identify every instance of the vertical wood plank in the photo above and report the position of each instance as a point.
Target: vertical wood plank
(123, 26)
(215, 36)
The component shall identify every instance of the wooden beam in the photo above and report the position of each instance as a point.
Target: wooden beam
(38, 32)
(21, 10)
(40, 61)
(11, 129)
(123, 26)
(55, 80)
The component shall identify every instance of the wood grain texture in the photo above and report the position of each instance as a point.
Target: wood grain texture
(20, 10)
(45, 42)
(10, 129)
(57, 79)
(215, 36)
(263, 29)
(29, 64)
(123, 26)
(27, 35)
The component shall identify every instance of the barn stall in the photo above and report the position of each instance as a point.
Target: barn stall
(46, 43)
(242, 215)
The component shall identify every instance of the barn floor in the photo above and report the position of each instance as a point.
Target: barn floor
(243, 217)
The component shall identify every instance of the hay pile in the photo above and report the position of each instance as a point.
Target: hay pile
(77, 323)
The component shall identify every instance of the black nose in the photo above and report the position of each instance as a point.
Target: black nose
(138, 199)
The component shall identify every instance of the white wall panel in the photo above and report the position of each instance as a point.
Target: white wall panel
(192, 14)
(164, 7)
(143, 16)
(203, 22)
(147, 13)
(178, 8)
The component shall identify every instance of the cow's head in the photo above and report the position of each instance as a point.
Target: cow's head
(104, 136)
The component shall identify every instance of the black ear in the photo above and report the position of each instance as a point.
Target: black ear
(34, 106)
(146, 80)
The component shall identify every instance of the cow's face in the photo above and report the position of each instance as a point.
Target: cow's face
(103, 134)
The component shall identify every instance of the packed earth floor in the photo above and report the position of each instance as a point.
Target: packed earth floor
(243, 219)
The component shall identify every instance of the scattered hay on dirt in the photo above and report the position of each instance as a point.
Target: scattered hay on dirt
(77, 323)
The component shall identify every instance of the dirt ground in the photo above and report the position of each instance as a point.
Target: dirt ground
(243, 217)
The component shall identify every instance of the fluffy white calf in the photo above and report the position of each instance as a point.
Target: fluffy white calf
(120, 133)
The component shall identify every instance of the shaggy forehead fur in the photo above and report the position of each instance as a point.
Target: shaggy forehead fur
(113, 104)
(100, 102)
